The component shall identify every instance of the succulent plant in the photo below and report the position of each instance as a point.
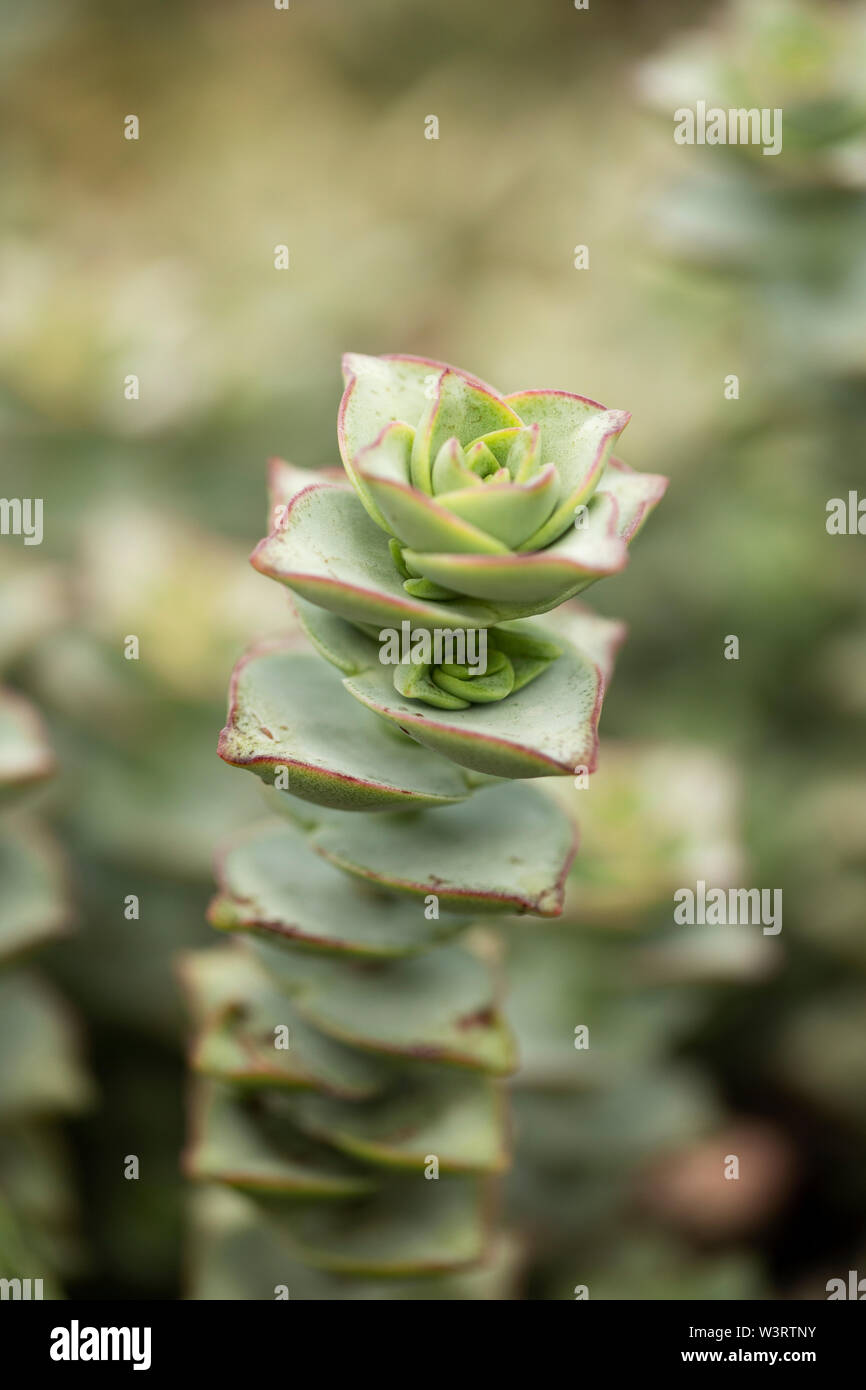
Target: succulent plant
(42, 1076)
(350, 1041)
(590, 1121)
(499, 506)
(786, 233)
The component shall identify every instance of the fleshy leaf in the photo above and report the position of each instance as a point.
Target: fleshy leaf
(437, 1007)
(286, 482)
(387, 459)
(41, 1070)
(457, 408)
(541, 579)
(228, 1146)
(524, 744)
(480, 690)
(410, 1227)
(331, 554)
(480, 458)
(636, 495)
(413, 680)
(506, 511)
(577, 434)
(238, 1009)
(380, 390)
(25, 755)
(508, 850)
(425, 523)
(450, 470)
(572, 654)
(286, 715)
(524, 453)
(270, 884)
(237, 1253)
(33, 903)
(597, 546)
(458, 1116)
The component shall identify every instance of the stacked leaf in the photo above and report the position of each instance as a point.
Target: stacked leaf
(350, 1043)
(138, 807)
(603, 1004)
(42, 1078)
(783, 238)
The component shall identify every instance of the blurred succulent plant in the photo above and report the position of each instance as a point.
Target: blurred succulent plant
(42, 1075)
(786, 232)
(335, 1128)
(803, 57)
(594, 1114)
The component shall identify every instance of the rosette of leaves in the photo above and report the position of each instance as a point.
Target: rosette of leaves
(42, 1078)
(350, 1041)
(498, 507)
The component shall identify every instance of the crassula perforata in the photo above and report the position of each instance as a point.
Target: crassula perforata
(462, 514)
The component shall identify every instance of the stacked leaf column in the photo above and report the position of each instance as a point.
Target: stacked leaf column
(42, 1079)
(350, 1045)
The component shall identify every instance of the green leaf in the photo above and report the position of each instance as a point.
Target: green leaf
(41, 1072)
(515, 737)
(237, 1254)
(459, 1117)
(414, 682)
(331, 554)
(411, 1227)
(546, 728)
(238, 1010)
(287, 718)
(380, 390)
(540, 579)
(286, 482)
(636, 495)
(594, 545)
(33, 903)
(386, 460)
(25, 755)
(460, 408)
(524, 457)
(450, 470)
(438, 1007)
(509, 851)
(577, 435)
(269, 883)
(478, 690)
(231, 1145)
(507, 511)
(426, 523)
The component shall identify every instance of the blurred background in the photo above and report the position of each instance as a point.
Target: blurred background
(154, 258)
